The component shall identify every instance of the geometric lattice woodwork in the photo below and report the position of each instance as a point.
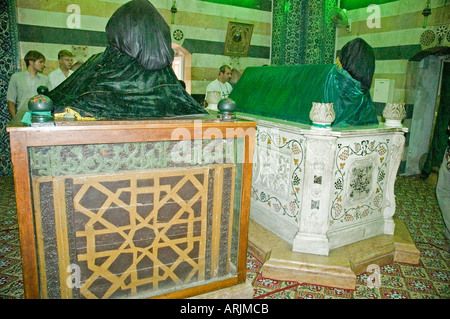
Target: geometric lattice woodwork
(136, 233)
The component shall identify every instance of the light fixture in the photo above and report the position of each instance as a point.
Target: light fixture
(173, 10)
(426, 12)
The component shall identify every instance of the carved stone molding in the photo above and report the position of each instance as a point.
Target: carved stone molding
(397, 149)
(311, 237)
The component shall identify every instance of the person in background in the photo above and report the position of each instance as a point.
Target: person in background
(222, 83)
(65, 59)
(235, 76)
(443, 187)
(23, 85)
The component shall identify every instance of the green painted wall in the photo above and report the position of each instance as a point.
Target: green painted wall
(356, 4)
(265, 5)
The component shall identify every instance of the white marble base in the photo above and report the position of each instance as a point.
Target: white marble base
(364, 230)
(393, 123)
(285, 228)
(311, 244)
(321, 245)
(340, 267)
(389, 226)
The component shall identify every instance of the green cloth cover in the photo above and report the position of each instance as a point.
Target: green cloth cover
(287, 92)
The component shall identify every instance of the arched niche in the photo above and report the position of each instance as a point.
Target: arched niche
(183, 58)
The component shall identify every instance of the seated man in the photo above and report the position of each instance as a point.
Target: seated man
(222, 83)
(218, 89)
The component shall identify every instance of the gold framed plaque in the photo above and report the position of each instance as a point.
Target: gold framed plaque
(237, 42)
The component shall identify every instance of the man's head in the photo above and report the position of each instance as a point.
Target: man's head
(65, 59)
(224, 74)
(35, 60)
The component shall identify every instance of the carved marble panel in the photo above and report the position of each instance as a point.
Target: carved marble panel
(359, 187)
(318, 170)
(278, 172)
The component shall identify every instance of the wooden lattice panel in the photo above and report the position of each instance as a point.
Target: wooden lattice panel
(133, 233)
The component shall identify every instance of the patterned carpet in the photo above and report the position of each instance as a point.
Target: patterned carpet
(416, 205)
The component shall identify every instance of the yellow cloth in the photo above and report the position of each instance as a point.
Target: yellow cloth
(77, 115)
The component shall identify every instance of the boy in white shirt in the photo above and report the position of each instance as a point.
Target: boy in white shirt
(65, 59)
(23, 85)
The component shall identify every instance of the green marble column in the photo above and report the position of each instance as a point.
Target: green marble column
(302, 33)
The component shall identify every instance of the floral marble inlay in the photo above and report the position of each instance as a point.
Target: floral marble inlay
(277, 172)
(360, 170)
(360, 181)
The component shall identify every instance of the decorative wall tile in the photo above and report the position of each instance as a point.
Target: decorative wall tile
(10, 65)
(302, 34)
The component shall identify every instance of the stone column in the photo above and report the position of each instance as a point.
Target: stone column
(312, 235)
(396, 155)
